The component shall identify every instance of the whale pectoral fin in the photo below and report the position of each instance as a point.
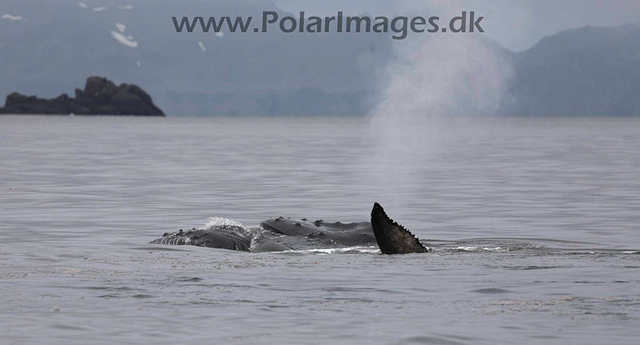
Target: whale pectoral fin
(392, 237)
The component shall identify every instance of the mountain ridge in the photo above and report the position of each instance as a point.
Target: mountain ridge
(584, 71)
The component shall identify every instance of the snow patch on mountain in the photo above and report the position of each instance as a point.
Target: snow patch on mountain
(128, 41)
(11, 17)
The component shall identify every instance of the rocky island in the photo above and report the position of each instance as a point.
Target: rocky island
(99, 97)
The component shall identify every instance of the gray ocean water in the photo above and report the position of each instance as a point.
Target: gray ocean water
(535, 225)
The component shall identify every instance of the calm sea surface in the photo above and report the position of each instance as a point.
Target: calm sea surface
(535, 225)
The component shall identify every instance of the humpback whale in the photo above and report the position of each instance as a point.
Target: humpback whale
(280, 234)
(221, 237)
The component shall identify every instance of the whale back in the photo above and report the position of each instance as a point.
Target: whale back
(350, 234)
(392, 237)
(222, 238)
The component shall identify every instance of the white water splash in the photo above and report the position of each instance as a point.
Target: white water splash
(348, 250)
(202, 47)
(476, 249)
(121, 27)
(466, 249)
(83, 5)
(221, 222)
(125, 7)
(100, 9)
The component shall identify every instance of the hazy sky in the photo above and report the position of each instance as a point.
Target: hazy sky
(516, 24)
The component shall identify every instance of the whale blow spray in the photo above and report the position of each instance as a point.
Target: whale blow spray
(431, 80)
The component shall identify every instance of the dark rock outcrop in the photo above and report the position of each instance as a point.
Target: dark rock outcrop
(99, 97)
